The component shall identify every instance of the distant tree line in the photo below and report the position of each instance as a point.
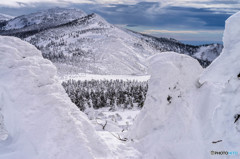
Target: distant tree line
(106, 93)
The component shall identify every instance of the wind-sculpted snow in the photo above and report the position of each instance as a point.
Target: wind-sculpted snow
(172, 77)
(222, 78)
(166, 124)
(37, 119)
(227, 66)
(192, 115)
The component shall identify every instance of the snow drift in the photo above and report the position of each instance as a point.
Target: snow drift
(37, 119)
(187, 116)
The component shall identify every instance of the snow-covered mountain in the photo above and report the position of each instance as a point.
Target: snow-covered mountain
(205, 54)
(93, 44)
(79, 43)
(4, 17)
(29, 24)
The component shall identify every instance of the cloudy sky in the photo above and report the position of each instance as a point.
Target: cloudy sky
(189, 21)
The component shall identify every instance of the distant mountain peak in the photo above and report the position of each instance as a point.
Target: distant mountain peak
(46, 18)
(91, 21)
(4, 17)
(96, 18)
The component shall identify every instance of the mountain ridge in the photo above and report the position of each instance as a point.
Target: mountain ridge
(5, 17)
(102, 47)
(39, 21)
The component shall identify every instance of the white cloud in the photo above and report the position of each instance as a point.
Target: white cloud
(229, 6)
(183, 31)
(19, 3)
(220, 4)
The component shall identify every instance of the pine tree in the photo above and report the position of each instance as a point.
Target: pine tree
(114, 93)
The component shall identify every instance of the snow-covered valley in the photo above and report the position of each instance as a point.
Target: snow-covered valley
(189, 111)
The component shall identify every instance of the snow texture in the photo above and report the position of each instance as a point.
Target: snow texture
(37, 119)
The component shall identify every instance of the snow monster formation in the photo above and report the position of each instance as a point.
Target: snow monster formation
(164, 125)
(37, 119)
(189, 114)
(223, 104)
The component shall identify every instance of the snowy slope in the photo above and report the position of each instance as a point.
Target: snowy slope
(4, 17)
(93, 44)
(37, 119)
(208, 52)
(205, 54)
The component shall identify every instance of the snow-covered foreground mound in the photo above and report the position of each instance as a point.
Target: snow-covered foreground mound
(221, 80)
(171, 80)
(166, 119)
(188, 116)
(37, 119)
